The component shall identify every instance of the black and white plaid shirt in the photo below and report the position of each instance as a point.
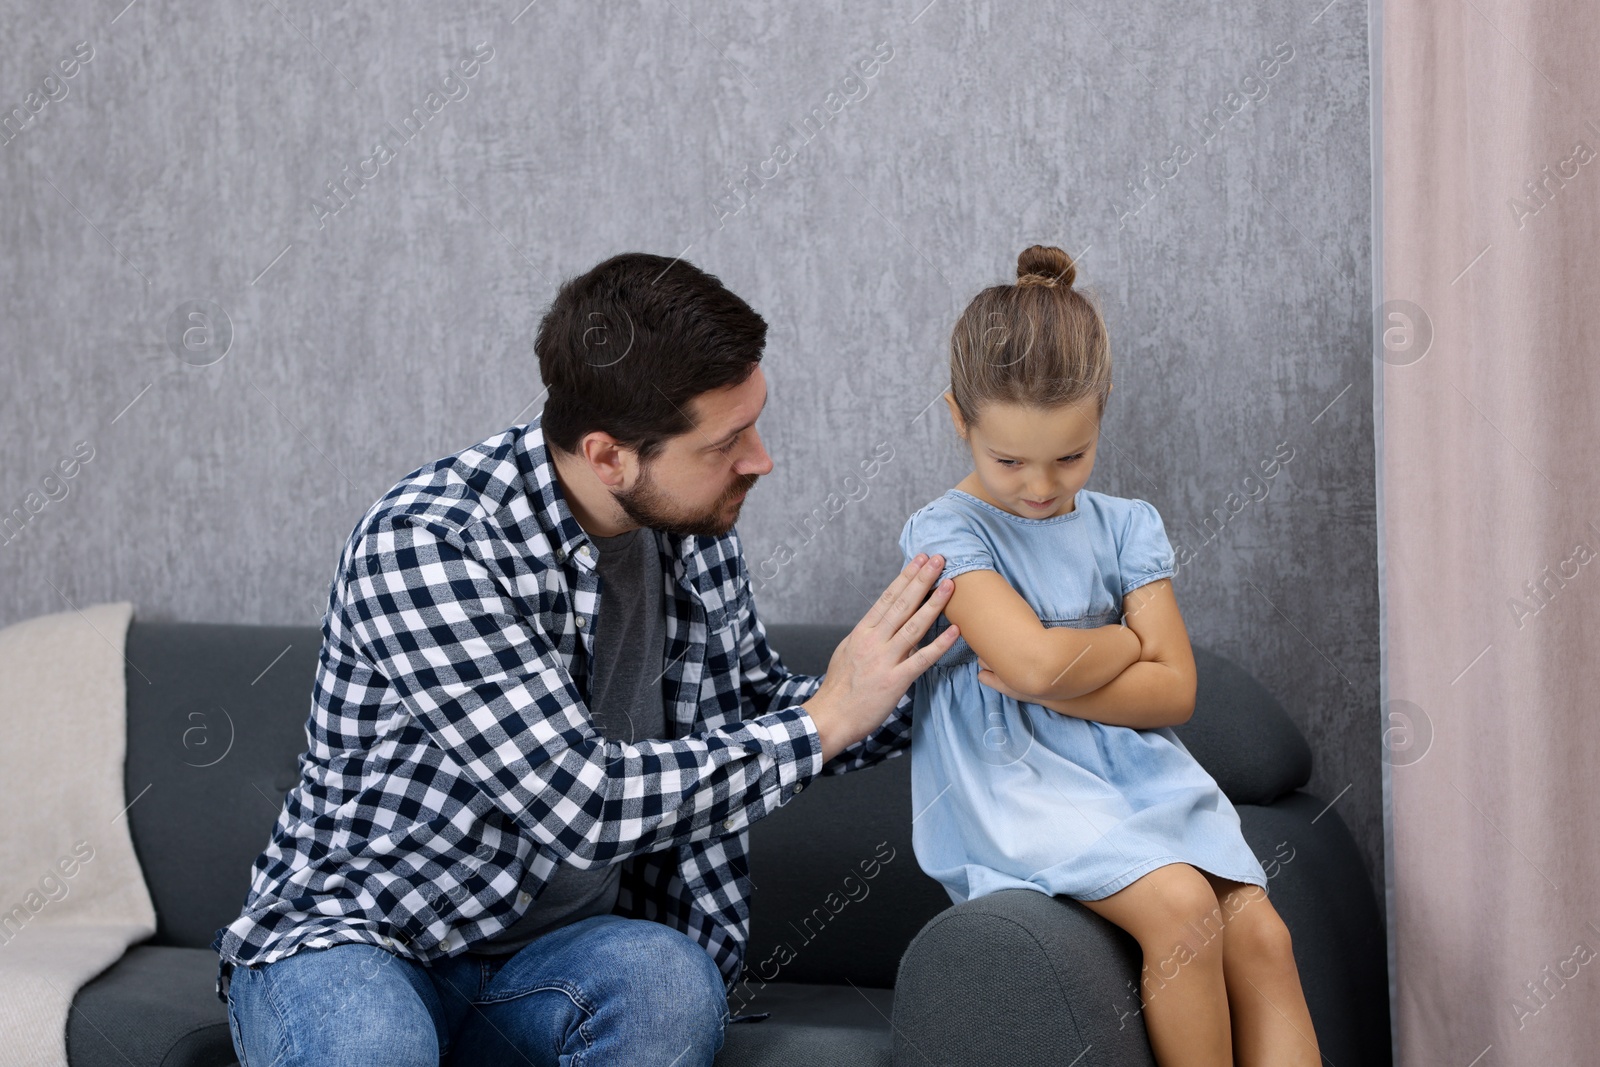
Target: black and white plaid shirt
(451, 749)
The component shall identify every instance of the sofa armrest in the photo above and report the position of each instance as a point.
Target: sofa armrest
(1020, 978)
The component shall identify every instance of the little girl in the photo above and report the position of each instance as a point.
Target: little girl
(1043, 755)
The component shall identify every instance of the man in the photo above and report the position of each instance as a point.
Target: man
(545, 716)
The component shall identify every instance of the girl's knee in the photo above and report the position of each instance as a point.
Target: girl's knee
(1258, 934)
(1186, 906)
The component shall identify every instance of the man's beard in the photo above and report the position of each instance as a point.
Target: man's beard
(646, 505)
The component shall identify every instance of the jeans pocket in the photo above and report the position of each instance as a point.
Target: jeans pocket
(255, 1021)
(233, 1031)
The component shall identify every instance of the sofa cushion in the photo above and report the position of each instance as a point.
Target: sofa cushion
(155, 1007)
(813, 1026)
(839, 894)
(216, 724)
(1241, 735)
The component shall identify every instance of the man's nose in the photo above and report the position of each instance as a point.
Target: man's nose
(758, 461)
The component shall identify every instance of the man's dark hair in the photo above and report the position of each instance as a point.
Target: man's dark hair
(625, 347)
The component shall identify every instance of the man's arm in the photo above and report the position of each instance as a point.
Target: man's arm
(886, 742)
(1157, 690)
(765, 683)
(495, 696)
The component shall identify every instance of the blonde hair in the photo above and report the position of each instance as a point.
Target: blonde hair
(1039, 342)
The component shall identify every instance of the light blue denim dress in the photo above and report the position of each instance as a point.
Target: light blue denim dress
(1012, 795)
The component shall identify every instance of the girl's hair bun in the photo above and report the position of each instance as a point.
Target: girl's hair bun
(1045, 265)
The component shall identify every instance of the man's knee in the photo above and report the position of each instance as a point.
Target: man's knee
(664, 958)
(674, 978)
(618, 990)
(349, 1004)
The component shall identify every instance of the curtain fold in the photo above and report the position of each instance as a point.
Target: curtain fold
(1489, 513)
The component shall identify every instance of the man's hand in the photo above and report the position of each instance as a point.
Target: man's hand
(879, 660)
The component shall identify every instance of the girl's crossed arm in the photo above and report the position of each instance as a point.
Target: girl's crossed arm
(1057, 662)
(1157, 690)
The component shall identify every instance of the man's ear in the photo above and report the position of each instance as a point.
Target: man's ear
(606, 457)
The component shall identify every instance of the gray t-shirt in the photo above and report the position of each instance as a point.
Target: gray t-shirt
(626, 705)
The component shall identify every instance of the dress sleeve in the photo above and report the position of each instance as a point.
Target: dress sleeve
(940, 531)
(1144, 554)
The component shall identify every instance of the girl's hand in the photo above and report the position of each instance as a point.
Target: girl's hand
(987, 676)
(992, 680)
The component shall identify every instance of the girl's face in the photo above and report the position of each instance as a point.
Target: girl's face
(1028, 460)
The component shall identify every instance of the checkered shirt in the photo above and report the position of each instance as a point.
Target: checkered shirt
(450, 749)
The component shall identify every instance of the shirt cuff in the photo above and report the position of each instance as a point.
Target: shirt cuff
(799, 749)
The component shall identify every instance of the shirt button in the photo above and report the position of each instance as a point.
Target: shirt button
(727, 824)
(799, 786)
(584, 552)
(523, 898)
(580, 622)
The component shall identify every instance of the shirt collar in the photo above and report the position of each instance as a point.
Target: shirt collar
(567, 538)
(550, 511)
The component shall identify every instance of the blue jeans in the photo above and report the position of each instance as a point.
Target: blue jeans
(603, 990)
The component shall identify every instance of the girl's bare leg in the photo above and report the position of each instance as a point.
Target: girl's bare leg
(1271, 1023)
(1174, 915)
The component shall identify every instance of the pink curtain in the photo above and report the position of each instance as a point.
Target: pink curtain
(1489, 503)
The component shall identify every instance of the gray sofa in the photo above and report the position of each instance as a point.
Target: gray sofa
(857, 955)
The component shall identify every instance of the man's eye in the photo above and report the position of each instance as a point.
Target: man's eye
(729, 446)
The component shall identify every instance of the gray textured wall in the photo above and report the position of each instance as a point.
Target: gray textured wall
(188, 159)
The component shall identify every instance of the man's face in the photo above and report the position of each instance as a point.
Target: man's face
(697, 483)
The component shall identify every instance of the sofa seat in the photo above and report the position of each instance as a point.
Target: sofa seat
(156, 1008)
(812, 1026)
